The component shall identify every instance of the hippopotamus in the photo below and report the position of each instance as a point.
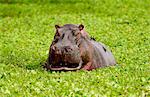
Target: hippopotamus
(73, 49)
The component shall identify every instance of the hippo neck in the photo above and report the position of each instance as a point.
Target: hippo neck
(83, 41)
(84, 34)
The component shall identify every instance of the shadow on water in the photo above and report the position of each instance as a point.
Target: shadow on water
(40, 67)
(34, 66)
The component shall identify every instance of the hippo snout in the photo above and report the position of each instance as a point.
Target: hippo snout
(65, 58)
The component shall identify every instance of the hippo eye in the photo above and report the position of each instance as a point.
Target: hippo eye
(73, 32)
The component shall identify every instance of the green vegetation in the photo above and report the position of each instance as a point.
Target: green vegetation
(27, 29)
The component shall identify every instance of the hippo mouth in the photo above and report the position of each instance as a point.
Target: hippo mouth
(67, 66)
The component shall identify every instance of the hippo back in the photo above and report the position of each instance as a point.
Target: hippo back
(102, 55)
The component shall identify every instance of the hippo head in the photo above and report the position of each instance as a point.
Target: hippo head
(64, 51)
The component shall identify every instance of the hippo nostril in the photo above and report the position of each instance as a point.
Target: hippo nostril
(67, 48)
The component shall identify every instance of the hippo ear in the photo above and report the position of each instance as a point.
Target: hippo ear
(81, 27)
(57, 26)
